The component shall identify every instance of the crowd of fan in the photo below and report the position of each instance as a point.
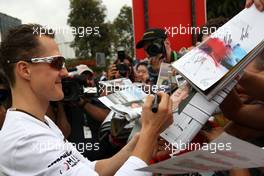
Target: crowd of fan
(241, 112)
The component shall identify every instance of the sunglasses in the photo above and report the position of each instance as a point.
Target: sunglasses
(57, 62)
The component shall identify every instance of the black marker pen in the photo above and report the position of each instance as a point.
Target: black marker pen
(155, 104)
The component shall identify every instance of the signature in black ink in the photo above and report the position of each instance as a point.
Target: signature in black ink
(244, 33)
(228, 39)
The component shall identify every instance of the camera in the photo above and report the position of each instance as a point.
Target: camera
(73, 87)
(156, 47)
(79, 83)
(123, 69)
(121, 55)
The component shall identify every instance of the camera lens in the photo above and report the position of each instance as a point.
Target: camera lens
(71, 88)
(156, 47)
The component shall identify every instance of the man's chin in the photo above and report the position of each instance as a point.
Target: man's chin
(58, 97)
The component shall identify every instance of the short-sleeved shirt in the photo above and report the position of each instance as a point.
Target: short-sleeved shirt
(30, 147)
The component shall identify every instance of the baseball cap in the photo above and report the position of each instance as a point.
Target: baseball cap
(151, 34)
(83, 68)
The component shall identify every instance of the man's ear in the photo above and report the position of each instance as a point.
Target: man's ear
(23, 70)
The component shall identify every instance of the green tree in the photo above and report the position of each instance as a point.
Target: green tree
(87, 16)
(122, 29)
(225, 8)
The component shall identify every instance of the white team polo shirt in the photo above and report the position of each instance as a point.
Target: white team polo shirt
(30, 147)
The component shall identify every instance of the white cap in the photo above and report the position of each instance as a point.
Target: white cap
(82, 68)
(120, 48)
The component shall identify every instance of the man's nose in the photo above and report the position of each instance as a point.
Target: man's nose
(64, 72)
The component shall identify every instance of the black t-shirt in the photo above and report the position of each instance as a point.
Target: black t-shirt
(84, 134)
